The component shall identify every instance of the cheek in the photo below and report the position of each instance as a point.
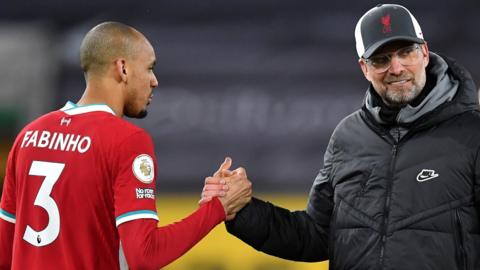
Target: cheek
(373, 77)
(377, 82)
(417, 73)
(146, 83)
(421, 79)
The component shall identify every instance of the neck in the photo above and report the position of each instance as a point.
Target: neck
(101, 92)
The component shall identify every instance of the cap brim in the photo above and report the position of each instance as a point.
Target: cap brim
(380, 43)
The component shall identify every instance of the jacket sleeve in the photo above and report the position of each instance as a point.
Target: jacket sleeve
(476, 186)
(297, 235)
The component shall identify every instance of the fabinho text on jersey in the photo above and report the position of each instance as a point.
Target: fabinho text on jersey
(56, 141)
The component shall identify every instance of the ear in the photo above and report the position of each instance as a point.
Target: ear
(426, 54)
(363, 66)
(121, 70)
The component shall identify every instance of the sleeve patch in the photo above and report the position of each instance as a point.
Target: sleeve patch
(145, 193)
(143, 168)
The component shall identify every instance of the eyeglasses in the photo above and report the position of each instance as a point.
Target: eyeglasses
(407, 56)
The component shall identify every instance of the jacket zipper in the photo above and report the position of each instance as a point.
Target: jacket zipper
(386, 210)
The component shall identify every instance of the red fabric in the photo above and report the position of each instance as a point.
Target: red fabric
(7, 228)
(88, 187)
(95, 188)
(6, 243)
(148, 247)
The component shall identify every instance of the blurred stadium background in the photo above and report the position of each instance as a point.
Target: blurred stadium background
(264, 82)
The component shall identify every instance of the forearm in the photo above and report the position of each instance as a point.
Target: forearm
(280, 232)
(149, 247)
(7, 230)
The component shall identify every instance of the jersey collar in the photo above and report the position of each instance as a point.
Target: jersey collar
(71, 108)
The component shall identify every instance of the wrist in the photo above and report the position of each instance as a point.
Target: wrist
(219, 208)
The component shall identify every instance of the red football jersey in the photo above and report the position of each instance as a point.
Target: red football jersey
(73, 175)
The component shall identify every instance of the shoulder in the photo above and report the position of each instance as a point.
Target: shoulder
(352, 131)
(350, 123)
(127, 138)
(38, 122)
(117, 129)
(468, 121)
(124, 126)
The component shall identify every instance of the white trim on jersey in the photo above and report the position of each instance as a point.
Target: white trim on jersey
(72, 109)
(136, 215)
(122, 260)
(7, 216)
(68, 105)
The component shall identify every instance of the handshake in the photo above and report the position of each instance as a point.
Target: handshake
(232, 188)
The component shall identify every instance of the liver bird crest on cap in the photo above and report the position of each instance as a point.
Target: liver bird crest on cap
(386, 22)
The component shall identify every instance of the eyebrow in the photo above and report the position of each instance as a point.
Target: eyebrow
(398, 49)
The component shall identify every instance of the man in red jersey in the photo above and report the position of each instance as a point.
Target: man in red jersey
(79, 191)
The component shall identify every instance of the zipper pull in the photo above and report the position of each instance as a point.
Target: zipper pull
(394, 149)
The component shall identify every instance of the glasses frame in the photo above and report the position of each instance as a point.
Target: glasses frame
(389, 56)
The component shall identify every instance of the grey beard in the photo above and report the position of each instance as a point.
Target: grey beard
(400, 100)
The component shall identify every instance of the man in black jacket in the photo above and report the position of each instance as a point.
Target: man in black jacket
(400, 186)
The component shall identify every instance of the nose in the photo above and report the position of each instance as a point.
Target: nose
(154, 82)
(395, 66)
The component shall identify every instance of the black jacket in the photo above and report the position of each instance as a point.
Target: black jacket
(402, 196)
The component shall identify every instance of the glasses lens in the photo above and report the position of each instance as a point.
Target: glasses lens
(407, 56)
(380, 62)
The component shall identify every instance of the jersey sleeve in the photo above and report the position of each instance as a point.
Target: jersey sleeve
(8, 201)
(7, 213)
(134, 183)
(7, 231)
(147, 246)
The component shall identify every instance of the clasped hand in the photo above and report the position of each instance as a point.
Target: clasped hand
(232, 188)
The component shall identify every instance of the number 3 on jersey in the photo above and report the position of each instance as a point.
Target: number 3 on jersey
(52, 172)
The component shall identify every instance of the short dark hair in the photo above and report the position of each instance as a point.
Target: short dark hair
(105, 42)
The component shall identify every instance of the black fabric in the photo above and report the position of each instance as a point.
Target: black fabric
(384, 24)
(369, 209)
(260, 225)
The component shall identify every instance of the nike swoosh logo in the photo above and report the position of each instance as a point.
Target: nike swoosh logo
(426, 175)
